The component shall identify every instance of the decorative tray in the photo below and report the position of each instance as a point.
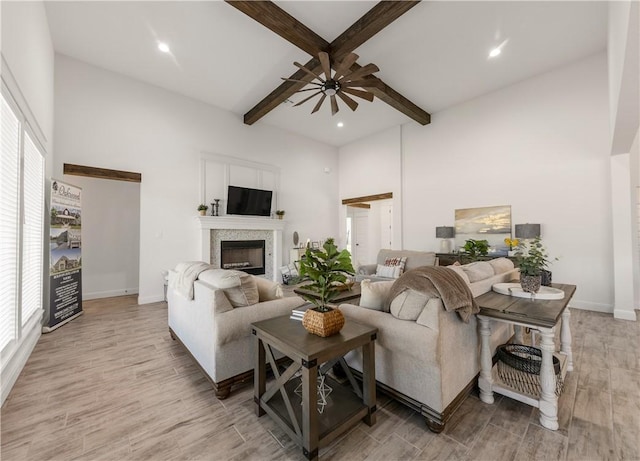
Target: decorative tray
(514, 289)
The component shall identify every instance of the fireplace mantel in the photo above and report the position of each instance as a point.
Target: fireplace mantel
(207, 224)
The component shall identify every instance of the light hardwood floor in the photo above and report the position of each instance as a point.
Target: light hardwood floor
(112, 385)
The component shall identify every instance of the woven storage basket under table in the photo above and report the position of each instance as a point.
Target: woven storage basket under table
(519, 367)
(323, 323)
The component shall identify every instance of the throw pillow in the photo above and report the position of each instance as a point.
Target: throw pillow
(268, 290)
(388, 271)
(501, 265)
(397, 262)
(478, 271)
(460, 271)
(408, 305)
(239, 287)
(373, 294)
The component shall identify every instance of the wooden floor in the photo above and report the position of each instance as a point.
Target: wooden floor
(112, 385)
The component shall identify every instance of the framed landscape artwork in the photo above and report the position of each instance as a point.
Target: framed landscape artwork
(492, 224)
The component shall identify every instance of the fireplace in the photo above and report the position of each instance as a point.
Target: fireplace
(243, 255)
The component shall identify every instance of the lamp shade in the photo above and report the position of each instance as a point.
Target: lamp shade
(527, 231)
(445, 232)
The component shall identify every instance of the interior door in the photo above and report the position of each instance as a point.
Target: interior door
(360, 231)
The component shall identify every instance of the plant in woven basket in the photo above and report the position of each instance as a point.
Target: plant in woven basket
(532, 259)
(327, 269)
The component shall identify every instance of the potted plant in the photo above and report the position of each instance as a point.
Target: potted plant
(280, 214)
(475, 248)
(202, 208)
(511, 243)
(532, 259)
(327, 269)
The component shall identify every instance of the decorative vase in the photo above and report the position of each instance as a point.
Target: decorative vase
(530, 283)
(323, 323)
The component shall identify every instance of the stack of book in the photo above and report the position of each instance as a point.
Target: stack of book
(298, 312)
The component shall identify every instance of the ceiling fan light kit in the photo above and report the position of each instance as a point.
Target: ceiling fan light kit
(340, 83)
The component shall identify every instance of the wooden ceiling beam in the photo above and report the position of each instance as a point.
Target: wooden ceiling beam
(282, 23)
(274, 18)
(367, 198)
(101, 173)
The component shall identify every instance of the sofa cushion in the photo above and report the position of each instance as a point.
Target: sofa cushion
(408, 305)
(239, 287)
(373, 294)
(268, 290)
(457, 268)
(501, 265)
(478, 271)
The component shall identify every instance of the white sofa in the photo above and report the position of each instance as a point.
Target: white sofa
(218, 335)
(430, 364)
(414, 259)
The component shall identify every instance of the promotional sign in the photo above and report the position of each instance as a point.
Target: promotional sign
(65, 243)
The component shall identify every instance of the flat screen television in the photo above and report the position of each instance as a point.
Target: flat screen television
(251, 202)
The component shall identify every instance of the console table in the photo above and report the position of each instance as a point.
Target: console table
(447, 259)
(542, 316)
(312, 356)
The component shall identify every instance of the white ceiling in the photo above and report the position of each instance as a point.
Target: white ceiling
(435, 54)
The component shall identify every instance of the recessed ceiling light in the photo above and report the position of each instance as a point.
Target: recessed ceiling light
(163, 47)
(495, 52)
(340, 124)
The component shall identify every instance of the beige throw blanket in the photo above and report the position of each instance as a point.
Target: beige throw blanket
(440, 282)
(187, 273)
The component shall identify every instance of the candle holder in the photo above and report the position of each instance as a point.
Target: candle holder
(215, 207)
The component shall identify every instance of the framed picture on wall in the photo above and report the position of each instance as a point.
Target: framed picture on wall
(492, 223)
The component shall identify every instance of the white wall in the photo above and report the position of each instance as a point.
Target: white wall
(373, 166)
(107, 120)
(110, 236)
(541, 146)
(27, 70)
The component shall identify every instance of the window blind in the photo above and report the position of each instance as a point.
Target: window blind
(9, 206)
(32, 229)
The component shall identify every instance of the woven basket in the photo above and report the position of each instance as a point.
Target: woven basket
(323, 323)
(519, 367)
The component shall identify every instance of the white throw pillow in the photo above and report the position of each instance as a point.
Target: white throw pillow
(408, 305)
(460, 271)
(374, 294)
(478, 271)
(388, 271)
(501, 265)
(238, 286)
(268, 290)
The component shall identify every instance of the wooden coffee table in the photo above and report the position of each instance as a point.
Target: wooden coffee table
(538, 315)
(343, 297)
(297, 412)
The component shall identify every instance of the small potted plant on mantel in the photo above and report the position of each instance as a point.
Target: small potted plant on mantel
(280, 214)
(327, 269)
(202, 208)
(532, 259)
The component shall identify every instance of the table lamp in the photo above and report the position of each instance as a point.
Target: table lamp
(445, 233)
(527, 231)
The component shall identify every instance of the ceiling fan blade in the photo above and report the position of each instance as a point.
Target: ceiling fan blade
(306, 99)
(348, 101)
(297, 64)
(366, 70)
(359, 93)
(334, 105)
(300, 81)
(365, 83)
(315, 109)
(344, 66)
(325, 63)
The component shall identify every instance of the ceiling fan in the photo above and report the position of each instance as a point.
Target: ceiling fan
(342, 82)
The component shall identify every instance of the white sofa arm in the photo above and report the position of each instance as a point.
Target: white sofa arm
(367, 269)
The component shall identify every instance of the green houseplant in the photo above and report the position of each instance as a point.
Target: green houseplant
(476, 248)
(532, 259)
(280, 214)
(327, 270)
(202, 208)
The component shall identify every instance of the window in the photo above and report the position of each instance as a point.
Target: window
(22, 214)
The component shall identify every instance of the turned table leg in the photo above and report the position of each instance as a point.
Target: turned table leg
(565, 338)
(485, 382)
(548, 399)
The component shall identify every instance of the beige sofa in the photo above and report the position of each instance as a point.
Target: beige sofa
(215, 333)
(414, 259)
(430, 364)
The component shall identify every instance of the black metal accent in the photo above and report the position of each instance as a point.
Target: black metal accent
(374, 336)
(310, 455)
(310, 364)
(253, 331)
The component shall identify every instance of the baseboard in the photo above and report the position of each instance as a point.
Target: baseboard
(589, 306)
(150, 299)
(622, 314)
(13, 367)
(109, 293)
